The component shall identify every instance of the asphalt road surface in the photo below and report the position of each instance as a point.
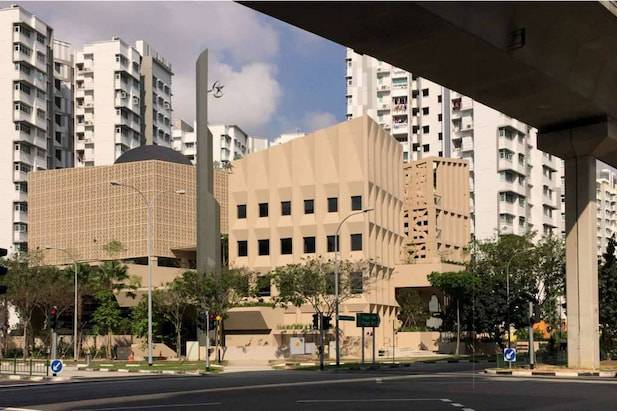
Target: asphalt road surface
(436, 387)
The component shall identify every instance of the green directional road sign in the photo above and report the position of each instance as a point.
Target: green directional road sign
(367, 320)
(346, 318)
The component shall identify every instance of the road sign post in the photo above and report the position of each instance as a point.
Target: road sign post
(373, 329)
(321, 342)
(362, 342)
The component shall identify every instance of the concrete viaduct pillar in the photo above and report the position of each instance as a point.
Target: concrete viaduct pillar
(579, 146)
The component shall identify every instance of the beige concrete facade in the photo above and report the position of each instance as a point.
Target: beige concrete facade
(78, 209)
(221, 194)
(436, 210)
(352, 159)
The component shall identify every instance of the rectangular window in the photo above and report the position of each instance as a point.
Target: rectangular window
(424, 110)
(331, 243)
(309, 206)
(424, 92)
(285, 207)
(356, 242)
(286, 246)
(355, 282)
(440, 136)
(243, 248)
(439, 117)
(426, 148)
(356, 203)
(439, 98)
(309, 245)
(241, 210)
(263, 247)
(263, 209)
(425, 129)
(332, 204)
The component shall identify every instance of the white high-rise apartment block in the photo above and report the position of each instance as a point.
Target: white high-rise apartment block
(63, 141)
(107, 102)
(606, 203)
(515, 188)
(156, 73)
(229, 142)
(26, 116)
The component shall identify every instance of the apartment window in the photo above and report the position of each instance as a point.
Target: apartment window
(356, 203)
(414, 129)
(415, 111)
(285, 207)
(425, 110)
(425, 92)
(243, 248)
(21, 207)
(426, 148)
(439, 98)
(58, 155)
(405, 156)
(309, 206)
(414, 93)
(263, 209)
(355, 282)
(263, 247)
(439, 117)
(309, 245)
(356, 242)
(332, 204)
(425, 129)
(241, 210)
(440, 136)
(286, 246)
(332, 243)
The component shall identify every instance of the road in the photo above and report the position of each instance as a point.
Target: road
(436, 387)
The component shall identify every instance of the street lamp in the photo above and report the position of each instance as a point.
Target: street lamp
(149, 205)
(65, 251)
(336, 282)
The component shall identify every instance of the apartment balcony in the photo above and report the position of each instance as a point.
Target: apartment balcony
(19, 176)
(467, 144)
(123, 139)
(20, 196)
(399, 108)
(31, 138)
(400, 127)
(515, 124)
(506, 207)
(20, 216)
(20, 237)
(23, 157)
(120, 84)
(549, 201)
(21, 37)
(383, 87)
(548, 220)
(20, 95)
(122, 121)
(548, 182)
(399, 73)
(513, 186)
(512, 164)
(19, 115)
(383, 106)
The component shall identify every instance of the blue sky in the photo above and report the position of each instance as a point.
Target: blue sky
(277, 78)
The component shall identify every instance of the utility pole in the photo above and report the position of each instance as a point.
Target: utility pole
(207, 340)
(532, 354)
(321, 342)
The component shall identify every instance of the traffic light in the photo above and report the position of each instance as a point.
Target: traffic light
(315, 321)
(53, 317)
(326, 322)
(212, 320)
(3, 271)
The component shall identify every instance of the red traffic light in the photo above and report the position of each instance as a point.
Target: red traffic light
(53, 311)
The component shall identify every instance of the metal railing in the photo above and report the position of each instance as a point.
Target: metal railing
(29, 367)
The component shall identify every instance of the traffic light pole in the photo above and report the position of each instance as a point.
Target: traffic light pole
(207, 340)
(532, 353)
(373, 345)
(54, 347)
(362, 343)
(321, 342)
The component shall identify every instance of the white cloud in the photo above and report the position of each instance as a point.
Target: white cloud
(317, 120)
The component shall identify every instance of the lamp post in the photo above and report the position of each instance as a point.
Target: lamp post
(149, 205)
(336, 282)
(65, 251)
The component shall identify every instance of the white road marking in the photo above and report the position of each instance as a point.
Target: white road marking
(468, 409)
(368, 400)
(378, 380)
(145, 407)
(456, 404)
(17, 409)
(446, 400)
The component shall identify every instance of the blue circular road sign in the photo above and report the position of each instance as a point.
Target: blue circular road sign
(509, 355)
(56, 366)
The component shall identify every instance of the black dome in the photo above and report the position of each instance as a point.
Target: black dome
(152, 152)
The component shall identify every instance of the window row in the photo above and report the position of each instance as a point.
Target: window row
(308, 245)
(309, 207)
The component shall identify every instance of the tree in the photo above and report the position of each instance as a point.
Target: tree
(110, 278)
(23, 292)
(55, 289)
(459, 286)
(214, 293)
(312, 282)
(173, 304)
(608, 299)
(550, 275)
